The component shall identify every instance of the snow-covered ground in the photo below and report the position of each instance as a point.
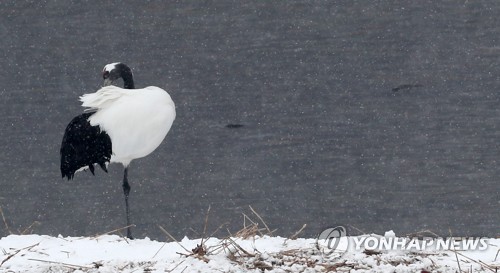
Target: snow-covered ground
(111, 253)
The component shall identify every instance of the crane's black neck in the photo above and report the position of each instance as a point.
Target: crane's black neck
(128, 79)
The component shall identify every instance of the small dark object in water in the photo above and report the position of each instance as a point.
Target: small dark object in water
(234, 126)
(406, 86)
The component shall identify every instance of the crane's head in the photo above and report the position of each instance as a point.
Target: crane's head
(113, 71)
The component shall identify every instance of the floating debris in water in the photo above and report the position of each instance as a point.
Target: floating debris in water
(234, 125)
(406, 86)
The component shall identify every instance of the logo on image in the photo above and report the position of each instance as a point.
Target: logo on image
(333, 242)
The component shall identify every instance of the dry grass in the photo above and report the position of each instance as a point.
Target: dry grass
(304, 258)
(114, 231)
(254, 226)
(28, 230)
(16, 252)
(5, 221)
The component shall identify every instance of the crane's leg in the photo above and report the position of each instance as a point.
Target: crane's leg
(126, 192)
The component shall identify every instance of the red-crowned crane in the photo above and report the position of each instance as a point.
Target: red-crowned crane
(118, 125)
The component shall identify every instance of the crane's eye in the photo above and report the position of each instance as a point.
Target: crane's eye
(105, 74)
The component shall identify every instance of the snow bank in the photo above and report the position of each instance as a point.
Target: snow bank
(110, 253)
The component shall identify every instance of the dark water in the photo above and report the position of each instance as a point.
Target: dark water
(371, 115)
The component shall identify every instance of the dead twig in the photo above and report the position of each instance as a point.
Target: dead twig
(422, 233)
(205, 225)
(262, 220)
(111, 231)
(294, 236)
(25, 231)
(458, 262)
(236, 245)
(359, 230)
(217, 229)
(159, 251)
(72, 266)
(193, 253)
(335, 266)
(17, 252)
(5, 221)
(203, 258)
(248, 231)
(468, 258)
(172, 237)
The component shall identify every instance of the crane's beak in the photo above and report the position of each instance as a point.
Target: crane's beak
(107, 82)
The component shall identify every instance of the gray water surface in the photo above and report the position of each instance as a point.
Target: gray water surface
(373, 115)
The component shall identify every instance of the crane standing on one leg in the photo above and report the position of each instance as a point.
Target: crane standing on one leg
(119, 125)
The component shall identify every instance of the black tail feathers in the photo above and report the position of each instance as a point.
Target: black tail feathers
(84, 145)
